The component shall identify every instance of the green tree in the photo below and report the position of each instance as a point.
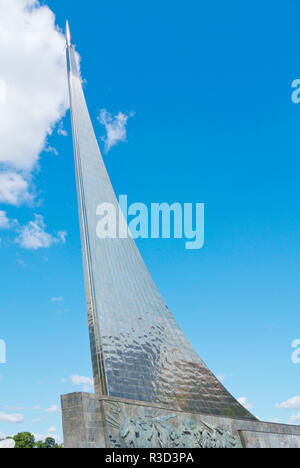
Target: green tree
(24, 440)
(49, 443)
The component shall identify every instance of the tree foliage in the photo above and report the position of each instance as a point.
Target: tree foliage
(27, 440)
(24, 440)
(49, 443)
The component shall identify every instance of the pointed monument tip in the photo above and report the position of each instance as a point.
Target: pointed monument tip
(68, 34)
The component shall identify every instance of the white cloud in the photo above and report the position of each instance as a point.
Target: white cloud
(33, 99)
(295, 418)
(51, 149)
(115, 127)
(42, 437)
(33, 235)
(5, 223)
(11, 418)
(20, 261)
(78, 380)
(243, 401)
(34, 92)
(292, 403)
(57, 299)
(14, 189)
(62, 236)
(52, 429)
(2, 92)
(61, 131)
(53, 409)
(81, 380)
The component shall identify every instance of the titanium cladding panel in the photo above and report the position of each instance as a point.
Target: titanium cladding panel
(138, 350)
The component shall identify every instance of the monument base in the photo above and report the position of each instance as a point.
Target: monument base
(90, 421)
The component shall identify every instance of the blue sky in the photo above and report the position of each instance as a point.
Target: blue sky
(210, 86)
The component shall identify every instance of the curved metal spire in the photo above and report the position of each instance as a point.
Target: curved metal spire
(138, 350)
(68, 34)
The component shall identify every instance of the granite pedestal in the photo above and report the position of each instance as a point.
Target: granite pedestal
(90, 421)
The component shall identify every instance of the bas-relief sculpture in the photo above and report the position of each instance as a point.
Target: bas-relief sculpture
(150, 429)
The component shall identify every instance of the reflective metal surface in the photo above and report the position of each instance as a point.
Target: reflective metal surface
(138, 350)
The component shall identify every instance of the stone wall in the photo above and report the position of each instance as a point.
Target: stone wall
(106, 422)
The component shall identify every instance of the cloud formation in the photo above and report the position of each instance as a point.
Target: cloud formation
(2, 92)
(42, 437)
(11, 418)
(51, 149)
(57, 299)
(86, 382)
(34, 94)
(115, 127)
(292, 403)
(61, 131)
(33, 99)
(34, 236)
(5, 223)
(53, 409)
(295, 418)
(14, 189)
(243, 401)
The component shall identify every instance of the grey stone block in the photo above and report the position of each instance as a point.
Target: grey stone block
(90, 421)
